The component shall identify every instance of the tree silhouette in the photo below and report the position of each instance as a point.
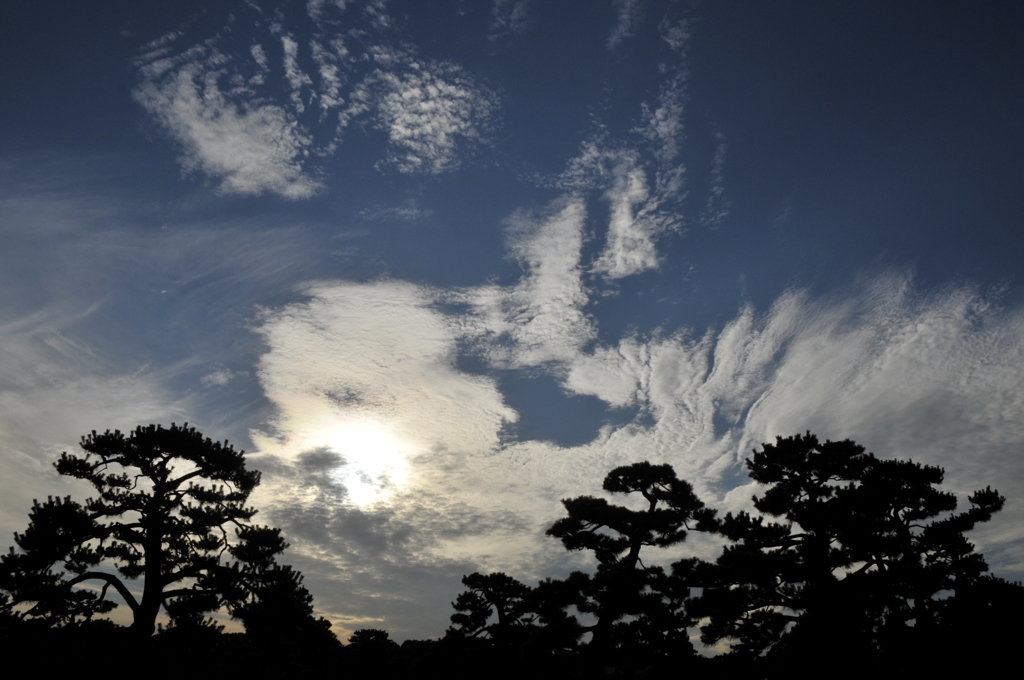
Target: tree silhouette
(638, 609)
(496, 596)
(269, 598)
(167, 500)
(860, 561)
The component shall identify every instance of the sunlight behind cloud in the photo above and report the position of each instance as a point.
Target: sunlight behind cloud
(376, 459)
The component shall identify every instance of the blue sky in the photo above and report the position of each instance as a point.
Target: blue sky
(436, 266)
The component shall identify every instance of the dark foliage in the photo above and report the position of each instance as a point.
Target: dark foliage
(852, 557)
(634, 613)
(496, 596)
(639, 611)
(849, 560)
(168, 502)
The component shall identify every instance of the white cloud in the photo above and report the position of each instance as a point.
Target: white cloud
(330, 75)
(928, 377)
(612, 374)
(365, 377)
(662, 125)
(632, 227)
(251, 148)
(592, 167)
(376, 11)
(371, 462)
(234, 126)
(433, 113)
(644, 186)
(540, 319)
(398, 364)
(932, 377)
(259, 56)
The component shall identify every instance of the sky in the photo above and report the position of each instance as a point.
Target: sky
(436, 266)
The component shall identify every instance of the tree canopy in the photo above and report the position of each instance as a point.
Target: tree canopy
(850, 554)
(630, 609)
(170, 511)
(635, 606)
(493, 596)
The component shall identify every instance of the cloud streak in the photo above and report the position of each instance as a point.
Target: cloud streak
(627, 15)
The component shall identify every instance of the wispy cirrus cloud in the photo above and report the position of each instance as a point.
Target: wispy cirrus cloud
(54, 388)
(510, 17)
(643, 176)
(716, 209)
(627, 15)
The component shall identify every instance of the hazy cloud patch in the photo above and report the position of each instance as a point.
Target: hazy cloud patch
(408, 211)
(627, 15)
(316, 8)
(217, 378)
(716, 209)
(510, 17)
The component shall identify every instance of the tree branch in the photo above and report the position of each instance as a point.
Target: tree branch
(110, 579)
(175, 483)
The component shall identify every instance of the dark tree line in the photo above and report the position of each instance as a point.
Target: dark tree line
(849, 559)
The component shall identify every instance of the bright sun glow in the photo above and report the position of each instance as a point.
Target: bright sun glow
(375, 457)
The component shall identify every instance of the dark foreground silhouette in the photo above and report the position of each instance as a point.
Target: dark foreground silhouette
(851, 562)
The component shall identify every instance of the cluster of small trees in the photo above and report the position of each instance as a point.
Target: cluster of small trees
(850, 558)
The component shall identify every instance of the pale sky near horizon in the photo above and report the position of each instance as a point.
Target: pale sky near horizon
(436, 266)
